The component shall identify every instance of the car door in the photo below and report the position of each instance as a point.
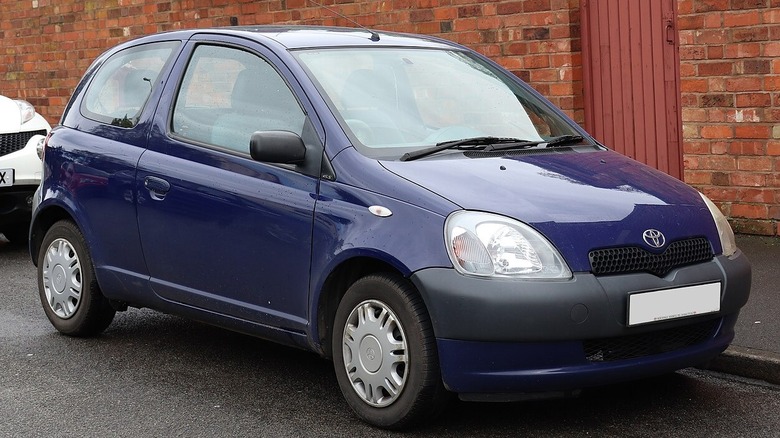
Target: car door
(94, 153)
(220, 231)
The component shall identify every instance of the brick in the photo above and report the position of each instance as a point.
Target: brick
(718, 163)
(470, 11)
(754, 211)
(744, 84)
(536, 33)
(536, 5)
(753, 100)
(721, 179)
(750, 34)
(690, 22)
(747, 148)
(698, 177)
(756, 195)
(754, 66)
(717, 83)
(719, 147)
(715, 36)
(743, 116)
(508, 8)
(756, 164)
(748, 4)
(716, 68)
(717, 100)
(694, 115)
(709, 5)
(742, 50)
(747, 179)
(713, 20)
(419, 15)
(735, 19)
(771, 49)
(752, 131)
(721, 194)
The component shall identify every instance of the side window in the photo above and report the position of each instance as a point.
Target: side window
(227, 94)
(124, 82)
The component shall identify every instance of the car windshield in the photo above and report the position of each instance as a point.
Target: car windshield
(393, 101)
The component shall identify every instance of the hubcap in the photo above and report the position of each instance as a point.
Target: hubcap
(62, 278)
(375, 356)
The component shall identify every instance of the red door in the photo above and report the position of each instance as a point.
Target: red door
(631, 79)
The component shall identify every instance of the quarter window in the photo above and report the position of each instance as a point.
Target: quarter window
(227, 94)
(119, 91)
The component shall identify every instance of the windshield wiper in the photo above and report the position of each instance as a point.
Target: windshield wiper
(549, 143)
(468, 143)
(563, 139)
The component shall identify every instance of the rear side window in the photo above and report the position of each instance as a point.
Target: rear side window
(120, 89)
(227, 94)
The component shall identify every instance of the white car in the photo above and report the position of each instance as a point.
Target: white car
(22, 133)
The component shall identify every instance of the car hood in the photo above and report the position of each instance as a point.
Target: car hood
(579, 200)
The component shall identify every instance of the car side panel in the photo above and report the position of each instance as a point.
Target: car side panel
(92, 177)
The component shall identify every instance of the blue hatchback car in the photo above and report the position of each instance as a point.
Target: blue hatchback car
(398, 203)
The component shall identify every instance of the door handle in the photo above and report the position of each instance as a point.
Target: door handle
(671, 36)
(157, 187)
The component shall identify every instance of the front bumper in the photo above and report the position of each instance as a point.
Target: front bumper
(509, 336)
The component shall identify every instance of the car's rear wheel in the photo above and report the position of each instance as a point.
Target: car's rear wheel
(384, 353)
(67, 286)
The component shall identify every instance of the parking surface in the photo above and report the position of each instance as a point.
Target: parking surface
(156, 375)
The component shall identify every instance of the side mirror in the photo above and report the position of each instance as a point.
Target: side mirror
(281, 147)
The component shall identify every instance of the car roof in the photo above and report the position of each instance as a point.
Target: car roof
(299, 37)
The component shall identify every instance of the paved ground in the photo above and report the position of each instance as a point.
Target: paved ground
(155, 375)
(755, 352)
(759, 321)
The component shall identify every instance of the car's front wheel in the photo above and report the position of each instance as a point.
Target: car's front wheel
(67, 286)
(384, 353)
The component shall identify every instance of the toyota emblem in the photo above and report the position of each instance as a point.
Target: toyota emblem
(654, 238)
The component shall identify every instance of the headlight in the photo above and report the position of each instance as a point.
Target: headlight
(489, 245)
(26, 109)
(727, 242)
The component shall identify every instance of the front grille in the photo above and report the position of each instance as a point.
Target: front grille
(16, 141)
(647, 344)
(634, 259)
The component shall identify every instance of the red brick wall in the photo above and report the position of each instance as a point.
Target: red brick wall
(730, 65)
(730, 68)
(47, 44)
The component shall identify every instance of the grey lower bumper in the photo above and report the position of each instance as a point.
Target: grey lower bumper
(584, 307)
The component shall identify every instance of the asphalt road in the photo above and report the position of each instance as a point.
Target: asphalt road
(154, 375)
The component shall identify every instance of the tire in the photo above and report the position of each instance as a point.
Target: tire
(67, 286)
(394, 380)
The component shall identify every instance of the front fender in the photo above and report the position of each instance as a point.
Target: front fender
(345, 230)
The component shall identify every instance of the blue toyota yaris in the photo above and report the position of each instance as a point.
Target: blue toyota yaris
(397, 203)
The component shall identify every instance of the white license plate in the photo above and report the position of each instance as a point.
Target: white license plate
(682, 302)
(6, 177)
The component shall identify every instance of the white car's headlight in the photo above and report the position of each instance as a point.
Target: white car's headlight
(26, 109)
(489, 245)
(727, 241)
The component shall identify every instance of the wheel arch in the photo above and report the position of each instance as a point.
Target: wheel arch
(333, 289)
(42, 221)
